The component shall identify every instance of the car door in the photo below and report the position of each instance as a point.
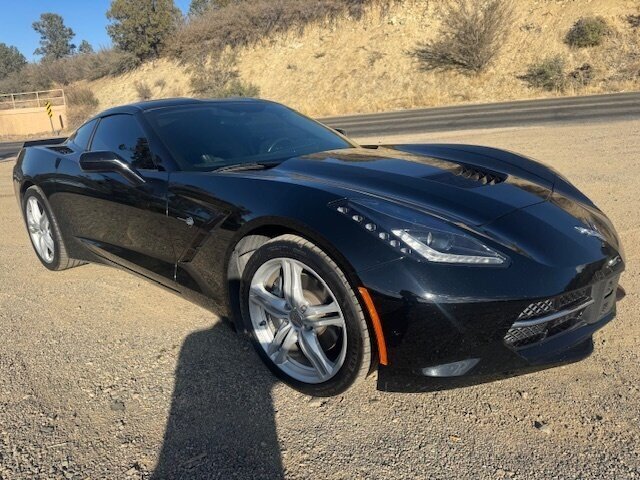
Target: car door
(122, 221)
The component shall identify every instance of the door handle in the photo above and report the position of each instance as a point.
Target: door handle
(189, 221)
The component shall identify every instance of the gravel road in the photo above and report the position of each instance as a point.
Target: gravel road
(103, 375)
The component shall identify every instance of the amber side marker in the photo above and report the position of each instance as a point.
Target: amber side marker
(377, 326)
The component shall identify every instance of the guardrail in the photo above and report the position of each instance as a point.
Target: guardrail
(11, 101)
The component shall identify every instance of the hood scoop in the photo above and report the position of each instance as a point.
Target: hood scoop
(64, 150)
(481, 176)
(465, 176)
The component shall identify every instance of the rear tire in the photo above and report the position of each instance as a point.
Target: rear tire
(44, 232)
(304, 318)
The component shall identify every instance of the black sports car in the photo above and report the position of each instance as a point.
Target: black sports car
(444, 263)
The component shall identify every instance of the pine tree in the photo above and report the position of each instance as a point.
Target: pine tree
(55, 37)
(141, 27)
(11, 60)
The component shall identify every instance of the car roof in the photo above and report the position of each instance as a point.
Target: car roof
(172, 102)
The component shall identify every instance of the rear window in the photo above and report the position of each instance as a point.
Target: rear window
(83, 134)
(209, 136)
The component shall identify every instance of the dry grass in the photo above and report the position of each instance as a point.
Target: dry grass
(347, 66)
(247, 22)
(143, 90)
(219, 78)
(81, 104)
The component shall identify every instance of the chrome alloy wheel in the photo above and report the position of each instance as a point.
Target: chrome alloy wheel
(40, 229)
(297, 320)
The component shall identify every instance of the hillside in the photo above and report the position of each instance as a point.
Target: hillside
(349, 66)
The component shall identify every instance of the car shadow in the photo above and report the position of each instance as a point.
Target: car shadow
(222, 421)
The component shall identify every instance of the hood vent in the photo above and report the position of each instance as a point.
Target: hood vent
(477, 175)
(61, 149)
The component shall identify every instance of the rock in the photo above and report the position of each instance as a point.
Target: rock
(542, 427)
(317, 401)
(47, 429)
(117, 405)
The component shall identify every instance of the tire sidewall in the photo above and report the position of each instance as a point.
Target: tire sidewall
(354, 357)
(34, 192)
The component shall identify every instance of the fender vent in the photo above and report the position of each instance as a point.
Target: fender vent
(483, 177)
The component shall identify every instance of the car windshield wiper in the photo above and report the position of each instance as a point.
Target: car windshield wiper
(240, 167)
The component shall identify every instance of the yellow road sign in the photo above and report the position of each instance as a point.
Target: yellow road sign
(47, 107)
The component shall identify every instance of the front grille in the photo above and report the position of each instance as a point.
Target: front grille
(522, 336)
(552, 305)
(525, 331)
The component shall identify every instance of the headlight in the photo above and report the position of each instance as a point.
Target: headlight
(418, 234)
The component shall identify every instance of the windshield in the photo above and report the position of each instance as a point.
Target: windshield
(209, 136)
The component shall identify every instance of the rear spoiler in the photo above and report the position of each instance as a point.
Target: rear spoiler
(46, 141)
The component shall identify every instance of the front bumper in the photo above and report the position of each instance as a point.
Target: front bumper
(436, 342)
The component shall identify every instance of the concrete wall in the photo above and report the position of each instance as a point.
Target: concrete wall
(30, 121)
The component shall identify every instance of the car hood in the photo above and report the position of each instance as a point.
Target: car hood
(474, 189)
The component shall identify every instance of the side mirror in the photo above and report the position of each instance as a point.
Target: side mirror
(109, 162)
(341, 131)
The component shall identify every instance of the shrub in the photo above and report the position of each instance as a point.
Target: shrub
(582, 76)
(110, 63)
(587, 32)
(548, 74)
(160, 83)
(81, 96)
(67, 70)
(219, 78)
(28, 79)
(246, 22)
(374, 57)
(633, 21)
(471, 36)
(143, 90)
(81, 104)
(63, 71)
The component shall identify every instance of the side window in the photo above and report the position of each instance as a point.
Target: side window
(123, 135)
(83, 134)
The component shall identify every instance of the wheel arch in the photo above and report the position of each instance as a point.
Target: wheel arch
(25, 185)
(254, 234)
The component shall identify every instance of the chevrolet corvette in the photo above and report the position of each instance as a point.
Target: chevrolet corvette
(429, 261)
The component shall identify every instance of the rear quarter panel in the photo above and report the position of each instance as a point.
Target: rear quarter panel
(35, 166)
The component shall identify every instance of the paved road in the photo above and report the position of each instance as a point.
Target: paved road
(8, 150)
(520, 113)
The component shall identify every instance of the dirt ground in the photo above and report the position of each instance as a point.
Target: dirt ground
(103, 375)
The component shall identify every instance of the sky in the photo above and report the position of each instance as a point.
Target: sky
(86, 18)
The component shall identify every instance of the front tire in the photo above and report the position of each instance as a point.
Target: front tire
(44, 232)
(304, 318)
